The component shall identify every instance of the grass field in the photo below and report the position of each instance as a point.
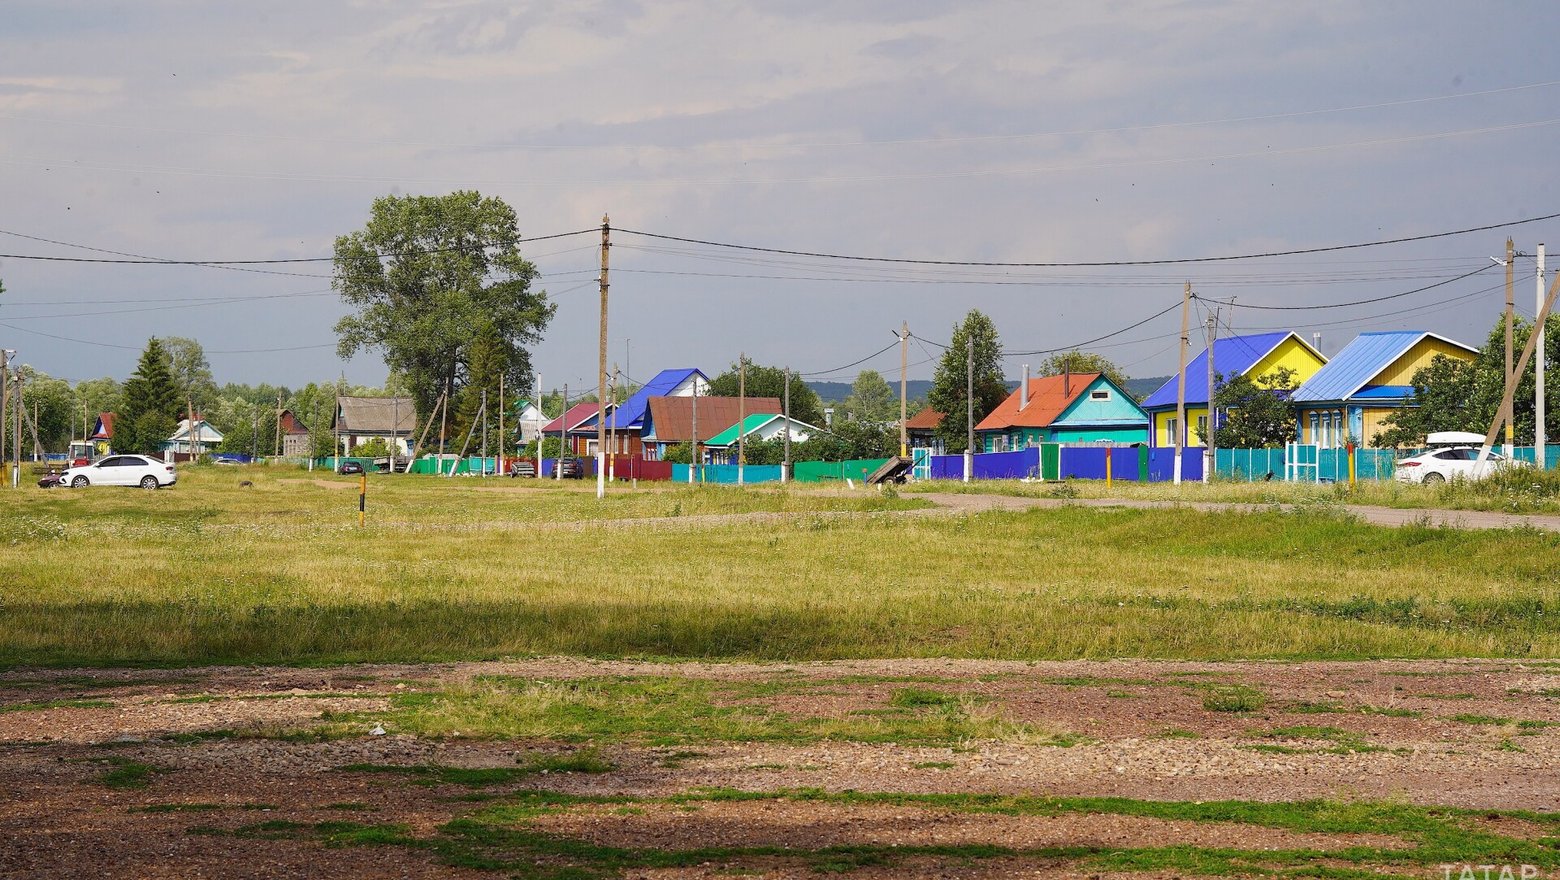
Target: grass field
(280, 572)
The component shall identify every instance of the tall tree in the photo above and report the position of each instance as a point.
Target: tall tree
(151, 405)
(489, 360)
(949, 382)
(1082, 362)
(191, 372)
(765, 381)
(871, 399)
(422, 274)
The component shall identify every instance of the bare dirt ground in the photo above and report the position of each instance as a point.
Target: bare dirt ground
(202, 773)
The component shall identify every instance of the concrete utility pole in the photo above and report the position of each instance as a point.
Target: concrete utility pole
(501, 438)
(5, 397)
(395, 425)
(1522, 362)
(969, 407)
(612, 436)
(904, 381)
(16, 468)
(538, 387)
(444, 426)
(277, 449)
(563, 430)
(741, 412)
(1541, 434)
(1211, 456)
(1511, 265)
(693, 459)
(601, 367)
(785, 395)
(1180, 381)
(483, 410)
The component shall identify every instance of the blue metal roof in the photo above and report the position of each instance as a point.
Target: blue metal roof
(1360, 361)
(1232, 356)
(630, 414)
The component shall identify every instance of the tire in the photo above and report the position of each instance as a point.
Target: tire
(79, 482)
(148, 482)
(1433, 478)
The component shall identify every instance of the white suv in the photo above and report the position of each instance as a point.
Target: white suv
(121, 470)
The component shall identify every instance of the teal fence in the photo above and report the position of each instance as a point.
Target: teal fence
(857, 469)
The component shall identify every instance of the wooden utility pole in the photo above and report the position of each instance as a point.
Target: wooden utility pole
(785, 395)
(695, 459)
(741, 412)
(904, 377)
(277, 449)
(189, 433)
(1180, 380)
(5, 400)
(1522, 362)
(1511, 264)
(612, 439)
(16, 469)
(601, 374)
(1540, 432)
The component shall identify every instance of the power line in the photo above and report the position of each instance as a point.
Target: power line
(1094, 263)
(138, 348)
(219, 263)
(852, 363)
(1361, 302)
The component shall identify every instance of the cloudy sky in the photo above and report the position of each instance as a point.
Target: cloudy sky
(974, 131)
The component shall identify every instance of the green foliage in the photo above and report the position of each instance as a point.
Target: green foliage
(950, 381)
(191, 372)
(374, 448)
(1257, 413)
(51, 402)
(682, 453)
(1233, 698)
(1455, 395)
(1082, 362)
(422, 274)
(152, 407)
(488, 360)
(871, 399)
(765, 381)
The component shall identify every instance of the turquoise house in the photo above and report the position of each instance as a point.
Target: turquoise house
(1071, 408)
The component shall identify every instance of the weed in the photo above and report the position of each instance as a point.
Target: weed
(1233, 698)
(129, 774)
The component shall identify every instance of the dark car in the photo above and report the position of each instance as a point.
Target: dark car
(350, 467)
(48, 481)
(570, 468)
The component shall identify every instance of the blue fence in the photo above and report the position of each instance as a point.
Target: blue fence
(726, 474)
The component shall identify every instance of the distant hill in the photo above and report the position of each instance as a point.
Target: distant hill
(834, 392)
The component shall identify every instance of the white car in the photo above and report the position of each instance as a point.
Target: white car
(121, 470)
(1453, 455)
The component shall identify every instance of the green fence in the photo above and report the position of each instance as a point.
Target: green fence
(857, 469)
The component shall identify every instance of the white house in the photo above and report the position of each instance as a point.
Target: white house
(202, 440)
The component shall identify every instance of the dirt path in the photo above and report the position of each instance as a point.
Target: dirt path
(213, 772)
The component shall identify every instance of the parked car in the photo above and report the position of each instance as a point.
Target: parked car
(522, 468)
(121, 470)
(350, 467)
(570, 468)
(48, 481)
(1453, 455)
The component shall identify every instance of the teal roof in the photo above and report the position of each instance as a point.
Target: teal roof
(748, 425)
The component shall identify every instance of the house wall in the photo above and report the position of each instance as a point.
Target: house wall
(295, 445)
(1401, 371)
(1360, 422)
(1290, 353)
(1162, 419)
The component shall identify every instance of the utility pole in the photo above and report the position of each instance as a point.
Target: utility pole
(1211, 457)
(563, 430)
(785, 396)
(277, 449)
(1510, 318)
(16, 469)
(538, 387)
(1511, 386)
(483, 410)
(694, 460)
(904, 376)
(741, 413)
(612, 439)
(601, 371)
(395, 424)
(502, 439)
(1540, 434)
(5, 398)
(1180, 381)
(969, 404)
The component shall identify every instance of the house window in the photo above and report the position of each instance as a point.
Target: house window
(1102, 394)
(1202, 426)
(1170, 432)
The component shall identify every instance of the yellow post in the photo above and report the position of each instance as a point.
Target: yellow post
(1107, 467)
(362, 497)
(1352, 482)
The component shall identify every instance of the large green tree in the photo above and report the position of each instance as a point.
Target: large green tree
(949, 382)
(488, 361)
(151, 405)
(426, 271)
(871, 399)
(765, 381)
(1082, 362)
(191, 372)
(1257, 414)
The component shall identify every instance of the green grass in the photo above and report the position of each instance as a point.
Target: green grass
(666, 711)
(503, 836)
(481, 777)
(126, 774)
(1233, 698)
(433, 577)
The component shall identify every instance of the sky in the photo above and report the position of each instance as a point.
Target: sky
(995, 132)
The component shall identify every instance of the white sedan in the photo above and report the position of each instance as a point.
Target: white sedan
(1455, 463)
(121, 470)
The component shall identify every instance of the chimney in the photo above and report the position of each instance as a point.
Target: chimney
(1067, 380)
(1023, 390)
(1316, 341)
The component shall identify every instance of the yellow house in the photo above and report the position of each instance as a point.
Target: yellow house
(1255, 356)
(1373, 375)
